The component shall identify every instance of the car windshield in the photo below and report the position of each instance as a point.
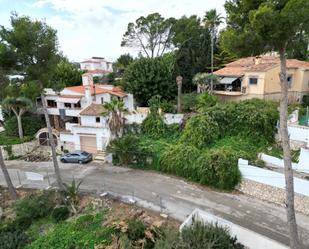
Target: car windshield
(85, 153)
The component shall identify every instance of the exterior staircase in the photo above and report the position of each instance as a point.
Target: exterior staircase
(100, 156)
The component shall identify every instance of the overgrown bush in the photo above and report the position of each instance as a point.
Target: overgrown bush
(200, 131)
(205, 101)
(31, 208)
(168, 106)
(189, 102)
(219, 168)
(31, 124)
(204, 236)
(154, 125)
(60, 213)
(127, 151)
(256, 118)
(13, 240)
(180, 160)
(136, 229)
(86, 231)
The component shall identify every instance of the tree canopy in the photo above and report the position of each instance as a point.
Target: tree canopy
(151, 35)
(147, 77)
(192, 54)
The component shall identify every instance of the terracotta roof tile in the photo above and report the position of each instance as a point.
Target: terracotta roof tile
(93, 110)
(98, 89)
(231, 71)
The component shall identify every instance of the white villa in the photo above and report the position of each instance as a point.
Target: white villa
(97, 66)
(77, 113)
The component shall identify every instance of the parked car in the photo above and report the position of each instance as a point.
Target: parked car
(76, 157)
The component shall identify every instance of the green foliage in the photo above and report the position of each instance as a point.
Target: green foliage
(31, 124)
(219, 168)
(155, 31)
(123, 62)
(60, 213)
(255, 118)
(8, 140)
(204, 236)
(13, 240)
(189, 102)
(136, 229)
(29, 46)
(153, 125)
(192, 40)
(66, 74)
(168, 106)
(180, 160)
(206, 100)
(84, 232)
(200, 131)
(125, 150)
(147, 77)
(8, 148)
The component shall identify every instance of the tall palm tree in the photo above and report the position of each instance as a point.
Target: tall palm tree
(19, 106)
(115, 111)
(212, 21)
(7, 178)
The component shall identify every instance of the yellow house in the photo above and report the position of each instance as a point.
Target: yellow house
(258, 77)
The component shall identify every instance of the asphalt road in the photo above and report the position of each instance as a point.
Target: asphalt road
(169, 194)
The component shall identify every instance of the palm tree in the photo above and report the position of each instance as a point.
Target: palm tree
(7, 178)
(212, 21)
(115, 110)
(19, 106)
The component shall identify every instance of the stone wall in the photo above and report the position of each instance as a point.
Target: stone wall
(21, 149)
(273, 194)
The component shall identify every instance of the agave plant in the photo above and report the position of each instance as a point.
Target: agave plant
(72, 194)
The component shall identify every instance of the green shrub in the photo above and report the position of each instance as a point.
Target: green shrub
(205, 101)
(8, 140)
(154, 125)
(189, 102)
(13, 240)
(204, 236)
(180, 160)
(219, 168)
(32, 207)
(60, 213)
(256, 118)
(85, 232)
(136, 229)
(31, 124)
(127, 151)
(168, 106)
(200, 131)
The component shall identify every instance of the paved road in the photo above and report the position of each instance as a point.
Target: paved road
(175, 196)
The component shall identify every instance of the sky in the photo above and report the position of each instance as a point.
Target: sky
(87, 28)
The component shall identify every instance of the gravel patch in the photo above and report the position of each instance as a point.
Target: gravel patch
(273, 195)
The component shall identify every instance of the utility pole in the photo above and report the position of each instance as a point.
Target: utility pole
(52, 145)
(7, 178)
(179, 85)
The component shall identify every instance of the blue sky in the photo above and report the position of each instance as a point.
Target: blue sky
(95, 27)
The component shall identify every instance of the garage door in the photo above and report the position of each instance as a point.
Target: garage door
(88, 144)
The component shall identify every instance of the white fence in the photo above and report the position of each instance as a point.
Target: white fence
(301, 166)
(271, 178)
(299, 133)
(247, 237)
(138, 118)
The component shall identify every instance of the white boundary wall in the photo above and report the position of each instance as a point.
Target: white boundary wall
(247, 237)
(271, 178)
(299, 133)
(302, 166)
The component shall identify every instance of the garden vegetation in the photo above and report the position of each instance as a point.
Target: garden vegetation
(207, 149)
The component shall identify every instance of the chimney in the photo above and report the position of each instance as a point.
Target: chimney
(257, 60)
(88, 94)
(87, 79)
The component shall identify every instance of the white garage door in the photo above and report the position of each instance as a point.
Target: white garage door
(88, 144)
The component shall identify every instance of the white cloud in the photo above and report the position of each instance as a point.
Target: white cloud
(95, 27)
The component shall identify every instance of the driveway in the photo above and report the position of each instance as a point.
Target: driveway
(172, 195)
